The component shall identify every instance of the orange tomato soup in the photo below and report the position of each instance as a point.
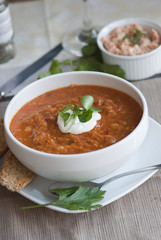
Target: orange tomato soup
(35, 124)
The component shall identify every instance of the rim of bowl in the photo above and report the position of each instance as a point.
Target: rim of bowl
(132, 20)
(145, 113)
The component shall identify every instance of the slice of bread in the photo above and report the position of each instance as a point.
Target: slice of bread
(3, 144)
(13, 175)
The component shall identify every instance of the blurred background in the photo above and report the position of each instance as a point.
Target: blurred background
(41, 24)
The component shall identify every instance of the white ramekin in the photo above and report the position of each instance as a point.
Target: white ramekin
(135, 67)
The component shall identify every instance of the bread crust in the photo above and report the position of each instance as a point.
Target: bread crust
(13, 175)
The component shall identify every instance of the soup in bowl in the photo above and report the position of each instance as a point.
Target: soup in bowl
(76, 126)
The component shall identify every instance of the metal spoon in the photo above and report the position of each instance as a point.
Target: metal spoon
(57, 185)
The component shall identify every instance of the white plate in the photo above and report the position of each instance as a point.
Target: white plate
(148, 154)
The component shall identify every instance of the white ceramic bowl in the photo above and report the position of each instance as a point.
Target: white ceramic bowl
(84, 166)
(136, 67)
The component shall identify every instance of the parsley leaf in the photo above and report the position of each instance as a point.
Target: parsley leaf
(90, 61)
(86, 116)
(55, 68)
(84, 113)
(66, 108)
(87, 102)
(76, 198)
(95, 109)
(89, 50)
(65, 115)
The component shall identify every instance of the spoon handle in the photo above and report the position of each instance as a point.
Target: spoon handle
(154, 167)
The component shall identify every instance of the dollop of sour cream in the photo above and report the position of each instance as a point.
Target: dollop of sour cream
(75, 126)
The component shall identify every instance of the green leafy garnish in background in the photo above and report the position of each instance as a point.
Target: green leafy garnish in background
(135, 38)
(76, 198)
(84, 113)
(90, 61)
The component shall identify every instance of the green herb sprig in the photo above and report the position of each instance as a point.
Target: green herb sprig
(90, 61)
(76, 198)
(84, 113)
(135, 38)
